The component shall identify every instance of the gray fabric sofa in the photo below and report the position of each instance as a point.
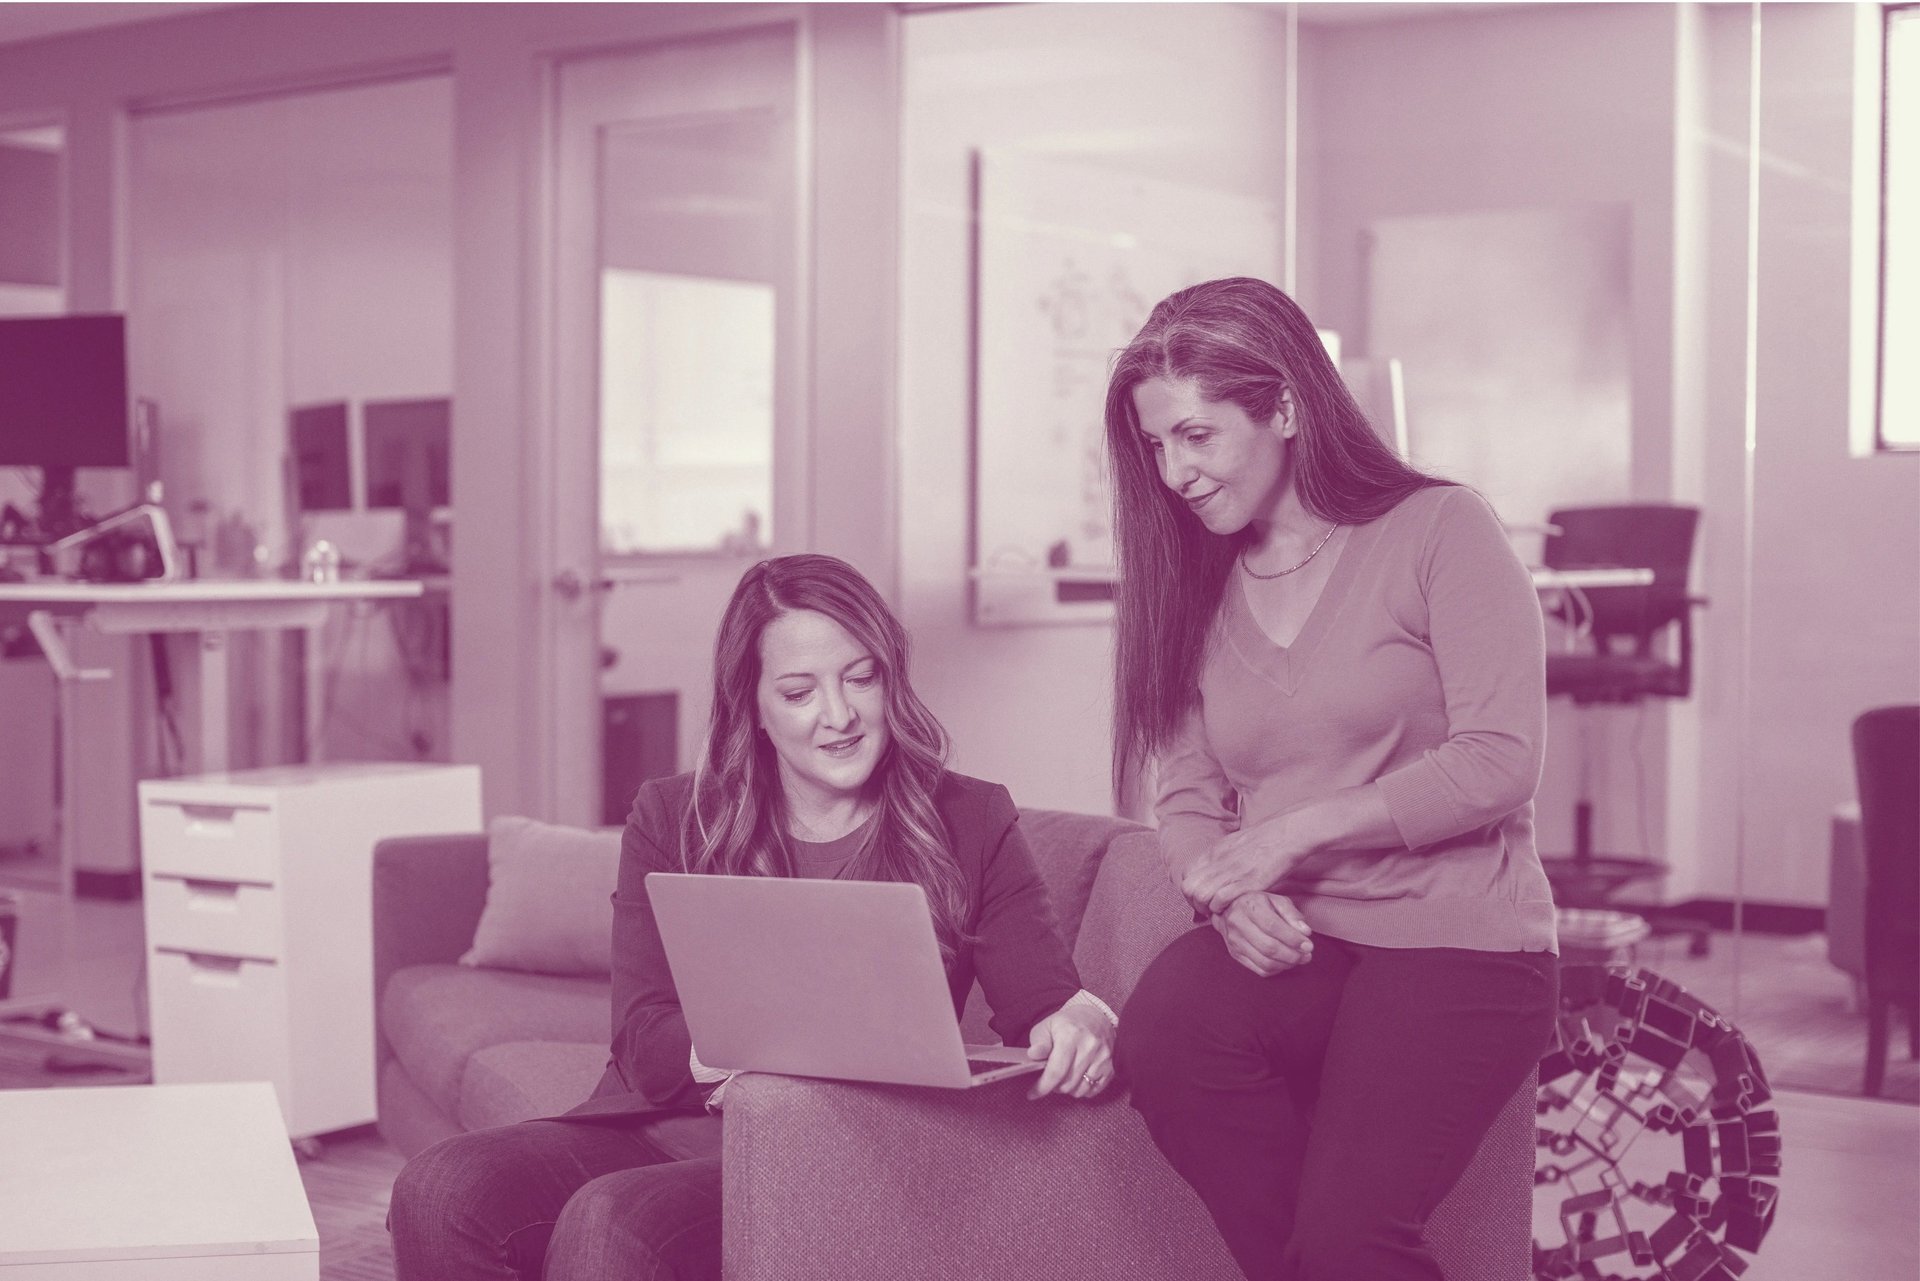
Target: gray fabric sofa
(846, 1180)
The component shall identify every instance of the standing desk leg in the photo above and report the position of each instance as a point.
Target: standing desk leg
(132, 1058)
(215, 755)
(314, 711)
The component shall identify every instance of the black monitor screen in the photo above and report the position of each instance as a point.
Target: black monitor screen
(63, 391)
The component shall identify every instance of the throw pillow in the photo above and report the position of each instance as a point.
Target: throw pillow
(549, 899)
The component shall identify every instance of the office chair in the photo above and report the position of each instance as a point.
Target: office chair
(1623, 665)
(1886, 761)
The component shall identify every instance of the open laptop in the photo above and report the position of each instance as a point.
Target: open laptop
(837, 979)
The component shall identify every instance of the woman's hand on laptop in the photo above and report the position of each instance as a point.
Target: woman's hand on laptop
(1076, 1041)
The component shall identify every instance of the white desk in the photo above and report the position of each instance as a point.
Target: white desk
(1556, 580)
(152, 1183)
(207, 608)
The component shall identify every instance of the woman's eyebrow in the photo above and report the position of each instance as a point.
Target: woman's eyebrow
(1188, 421)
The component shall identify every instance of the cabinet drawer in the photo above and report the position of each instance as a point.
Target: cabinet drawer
(218, 1018)
(216, 842)
(231, 918)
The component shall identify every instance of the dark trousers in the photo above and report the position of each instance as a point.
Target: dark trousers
(561, 1200)
(1322, 1113)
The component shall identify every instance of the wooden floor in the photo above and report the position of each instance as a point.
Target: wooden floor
(347, 1186)
(1797, 1011)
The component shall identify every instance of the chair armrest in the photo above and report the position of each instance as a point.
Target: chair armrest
(840, 1179)
(428, 893)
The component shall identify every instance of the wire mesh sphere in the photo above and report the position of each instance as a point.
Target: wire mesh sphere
(1655, 1138)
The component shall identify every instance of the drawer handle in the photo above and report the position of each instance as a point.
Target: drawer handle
(218, 896)
(213, 971)
(210, 819)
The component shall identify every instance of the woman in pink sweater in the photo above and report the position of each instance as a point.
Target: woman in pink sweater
(1336, 663)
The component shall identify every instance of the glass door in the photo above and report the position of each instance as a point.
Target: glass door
(674, 381)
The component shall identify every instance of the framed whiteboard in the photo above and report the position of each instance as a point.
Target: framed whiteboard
(1070, 260)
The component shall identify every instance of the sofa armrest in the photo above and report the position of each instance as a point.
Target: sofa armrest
(428, 893)
(841, 1179)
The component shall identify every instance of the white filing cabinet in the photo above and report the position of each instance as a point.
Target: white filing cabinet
(260, 924)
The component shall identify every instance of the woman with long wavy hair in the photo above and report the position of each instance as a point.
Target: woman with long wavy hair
(1335, 664)
(820, 761)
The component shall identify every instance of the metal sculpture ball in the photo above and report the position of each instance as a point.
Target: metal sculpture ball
(1654, 1134)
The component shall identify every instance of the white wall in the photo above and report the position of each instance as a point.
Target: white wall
(1190, 94)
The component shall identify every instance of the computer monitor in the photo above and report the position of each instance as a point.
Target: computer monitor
(63, 403)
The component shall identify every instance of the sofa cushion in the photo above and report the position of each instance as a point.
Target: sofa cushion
(1068, 849)
(436, 1017)
(520, 1080)
(549, 898)
(1133, 912)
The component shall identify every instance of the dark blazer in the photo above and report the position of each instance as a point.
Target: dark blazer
(1015, 949)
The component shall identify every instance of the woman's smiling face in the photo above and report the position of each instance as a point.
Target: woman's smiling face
(1227, 468)
(822, 704)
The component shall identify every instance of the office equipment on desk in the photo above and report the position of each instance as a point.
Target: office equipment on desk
(259, 916)
(131, 546)
(1619, 662)
(63, 405)
(322, 456)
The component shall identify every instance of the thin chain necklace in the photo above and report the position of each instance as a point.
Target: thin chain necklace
(1251, 572)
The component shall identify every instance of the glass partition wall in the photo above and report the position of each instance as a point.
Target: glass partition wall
(1617, 266)
(1631, 255)
(1578, 256)
(291, 320)
(34, 907)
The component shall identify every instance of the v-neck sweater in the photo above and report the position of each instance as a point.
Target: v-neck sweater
(1420, 671)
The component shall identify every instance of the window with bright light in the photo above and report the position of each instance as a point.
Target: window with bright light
(686, 414)
(1899, 416)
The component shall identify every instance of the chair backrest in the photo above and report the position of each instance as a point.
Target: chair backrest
(1656, 536)
(1886, 759)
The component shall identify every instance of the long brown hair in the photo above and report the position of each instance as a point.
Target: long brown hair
(738, 825)
(1241, 341)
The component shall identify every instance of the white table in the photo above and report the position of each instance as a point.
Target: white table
(1558, 580)
(207, 608)
(151, 1183)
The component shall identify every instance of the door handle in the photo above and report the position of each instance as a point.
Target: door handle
(569, 584)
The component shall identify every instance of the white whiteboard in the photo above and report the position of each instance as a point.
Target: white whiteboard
(1071, 259)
